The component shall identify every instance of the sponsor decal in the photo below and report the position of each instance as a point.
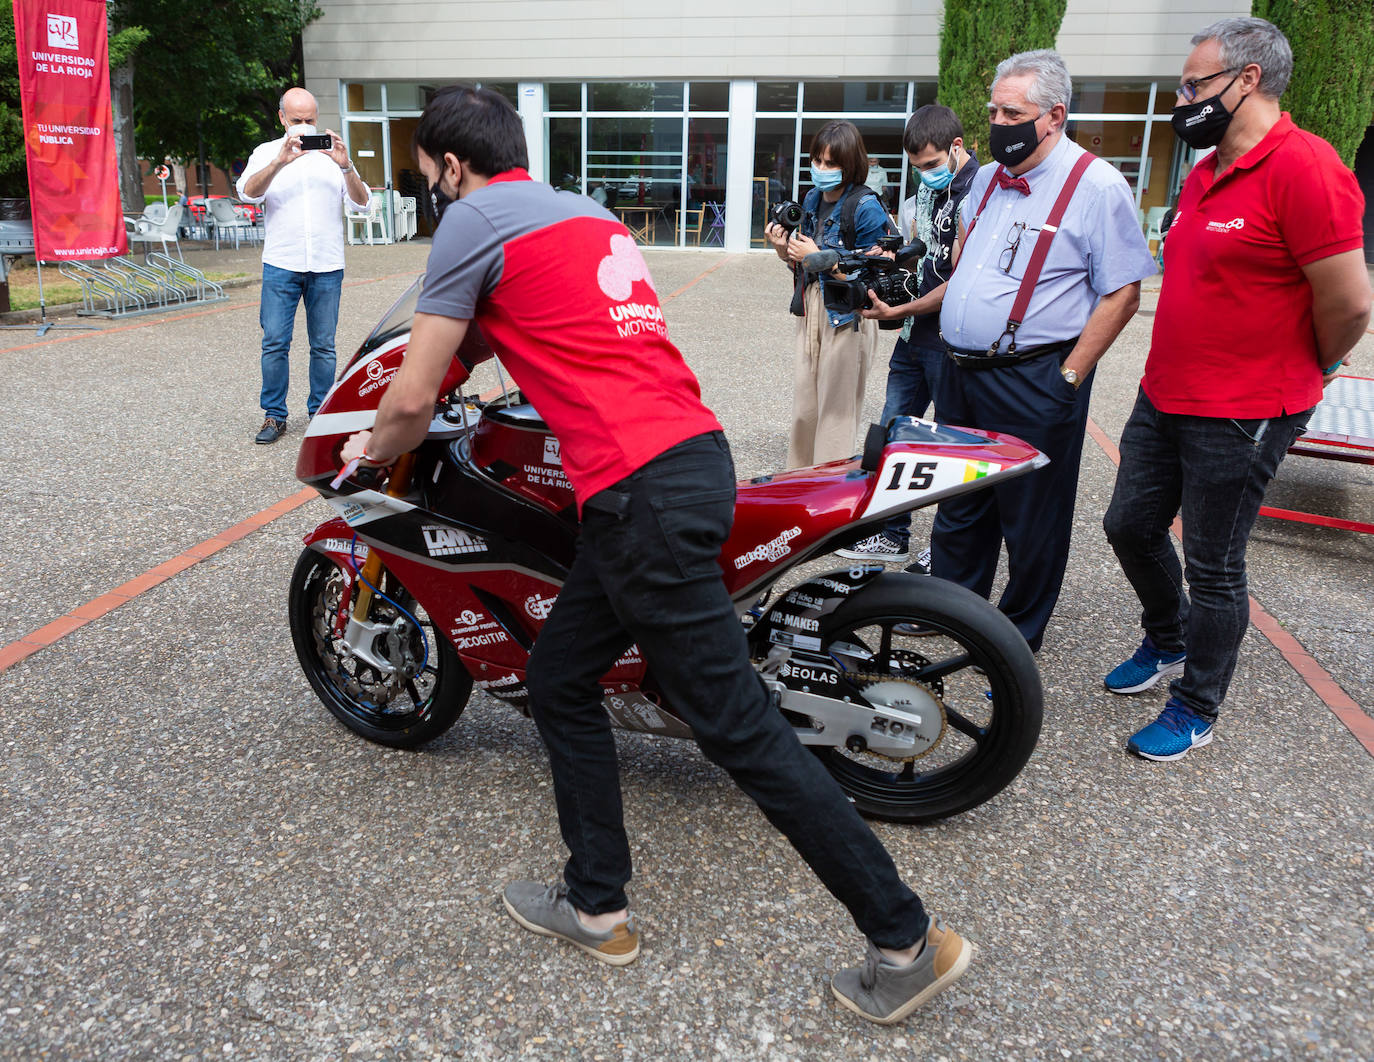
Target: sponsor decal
(769, 551)
(802, 623)
(808, 673)
(474, 641)
(796, 597)
(629, 658)
(637, 713)
(352, 512)
(497, 683)
(342, 545)
(470, 621)
(839, 588)
(543, 476)
(378, 375)
(1224, 226)
(553, 451)
(448, 541)
(538, 606)
(796, 641)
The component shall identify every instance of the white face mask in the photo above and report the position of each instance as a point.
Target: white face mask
(304, 129)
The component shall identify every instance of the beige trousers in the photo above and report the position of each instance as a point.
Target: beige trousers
(830, 370)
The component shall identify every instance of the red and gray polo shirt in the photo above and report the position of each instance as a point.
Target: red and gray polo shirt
(563, 297)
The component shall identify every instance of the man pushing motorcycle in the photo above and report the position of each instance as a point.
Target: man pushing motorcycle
(561, 293)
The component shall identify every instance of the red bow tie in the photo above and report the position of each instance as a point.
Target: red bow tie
(1006, 180)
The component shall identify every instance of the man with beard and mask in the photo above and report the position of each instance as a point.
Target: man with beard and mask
(555, 283)
(1265, 294)
(1049, 272)
(303, 250)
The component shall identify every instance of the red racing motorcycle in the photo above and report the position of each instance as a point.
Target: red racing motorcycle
(919, 696)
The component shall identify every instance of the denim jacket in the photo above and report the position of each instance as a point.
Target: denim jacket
(870, 222)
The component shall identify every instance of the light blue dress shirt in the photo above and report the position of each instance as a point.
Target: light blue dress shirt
(1099, 249)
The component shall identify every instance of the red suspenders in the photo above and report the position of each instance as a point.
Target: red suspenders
(1038, 256)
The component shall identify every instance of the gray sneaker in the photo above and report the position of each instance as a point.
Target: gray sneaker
(544, 909)
(884, 993)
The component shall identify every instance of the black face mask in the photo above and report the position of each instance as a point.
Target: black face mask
(439, 200)
(1202, 123)
(1013, 144)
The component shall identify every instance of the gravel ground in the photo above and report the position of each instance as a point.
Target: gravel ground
(201, 863)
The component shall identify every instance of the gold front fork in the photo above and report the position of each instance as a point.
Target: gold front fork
(371, 571)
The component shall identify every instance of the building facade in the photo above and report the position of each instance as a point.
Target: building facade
(693, 119)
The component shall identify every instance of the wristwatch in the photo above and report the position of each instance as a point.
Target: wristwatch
(348, 168)
(1071, 377)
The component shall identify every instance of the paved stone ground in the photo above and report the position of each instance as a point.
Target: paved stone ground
(199, 862)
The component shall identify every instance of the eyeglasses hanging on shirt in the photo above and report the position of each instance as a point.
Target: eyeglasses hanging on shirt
(1014, 234)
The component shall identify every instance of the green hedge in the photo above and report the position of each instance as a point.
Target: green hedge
(1332, 91)
(975, 36)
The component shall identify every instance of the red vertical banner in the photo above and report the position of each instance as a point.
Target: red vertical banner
(64, 85)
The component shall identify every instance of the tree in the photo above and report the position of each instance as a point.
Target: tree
(14, 174)
(1332, 90)
(975, 36)
(210, 74)
(123, 44)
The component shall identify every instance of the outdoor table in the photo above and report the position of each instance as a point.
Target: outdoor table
(640, 220)
(1341, 429)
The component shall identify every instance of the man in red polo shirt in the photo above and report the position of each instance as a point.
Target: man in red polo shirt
(561, 293)
(1265, 293)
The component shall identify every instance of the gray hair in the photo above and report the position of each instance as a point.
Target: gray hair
(1243, 41)
(1052, 83)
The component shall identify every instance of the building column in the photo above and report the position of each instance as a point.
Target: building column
(531, 97)
(739, 165)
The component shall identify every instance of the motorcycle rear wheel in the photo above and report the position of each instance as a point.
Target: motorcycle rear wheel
(991, 719)
(401, 713)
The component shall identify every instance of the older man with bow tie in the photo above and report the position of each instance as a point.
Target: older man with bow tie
(1051, 259)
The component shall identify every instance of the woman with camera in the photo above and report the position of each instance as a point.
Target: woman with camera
(833, 350)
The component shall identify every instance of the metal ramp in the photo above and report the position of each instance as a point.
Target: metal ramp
(120, 287)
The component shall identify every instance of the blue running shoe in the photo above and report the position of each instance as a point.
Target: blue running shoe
(1172, 735)
(1144, 669)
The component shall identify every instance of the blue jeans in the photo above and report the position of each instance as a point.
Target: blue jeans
(1214, 470)
(650, 574)
(282, 290)
(912, 375)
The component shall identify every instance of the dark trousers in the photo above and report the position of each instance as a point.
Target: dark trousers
(1033, 513)
(650, 575)
(1214, 470)
(912, 374)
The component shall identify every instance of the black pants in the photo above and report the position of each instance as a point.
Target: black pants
(1212, 470)
(651, 576)
(1033, 513)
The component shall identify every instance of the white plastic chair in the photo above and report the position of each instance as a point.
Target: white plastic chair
(403, 210)
(228, 221)
(144, 231)
(1153, 232)
(374, 219)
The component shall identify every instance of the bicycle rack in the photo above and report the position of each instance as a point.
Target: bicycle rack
(123, 288)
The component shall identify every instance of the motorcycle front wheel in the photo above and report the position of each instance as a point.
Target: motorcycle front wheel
(906, 631)
(415, 703)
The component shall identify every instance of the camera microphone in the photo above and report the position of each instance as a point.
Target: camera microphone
(821, 261)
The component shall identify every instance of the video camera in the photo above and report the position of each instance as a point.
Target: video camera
(889, 278)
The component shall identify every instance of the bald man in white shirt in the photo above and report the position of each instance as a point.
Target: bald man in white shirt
(302, 192)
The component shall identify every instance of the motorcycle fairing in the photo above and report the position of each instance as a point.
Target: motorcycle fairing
(794, 621)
